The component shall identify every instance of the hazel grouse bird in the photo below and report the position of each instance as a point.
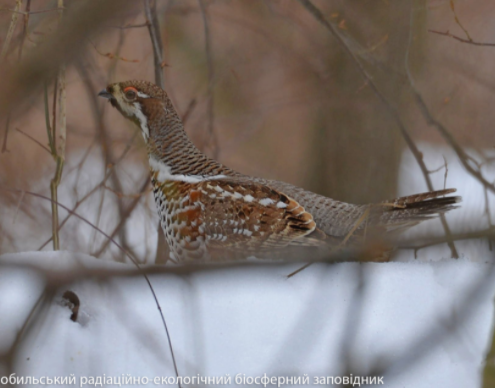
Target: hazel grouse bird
(209, 212)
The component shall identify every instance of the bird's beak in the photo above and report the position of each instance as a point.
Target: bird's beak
(105, 94)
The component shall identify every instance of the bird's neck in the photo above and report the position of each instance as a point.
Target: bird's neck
(175, 156)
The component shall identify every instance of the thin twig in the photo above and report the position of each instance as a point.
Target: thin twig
(113, 64)
(33, 139)
(54, 116)
(127, 212)
(189, 110)
(6, 134)
(59, 141)
(24, 29)
(127, 26)
(54, 183)
(3, 53)
(106, 148)
(62, 99)
(120, 194)
(447, 33)
(391, 110)
(446, 173)
(448, 137)
(488, 215)
(443, 219)
(27, 12)
(18, 207)
(47, 121)
(452, 7)
(58, 170)
(109, 172)
(213, 142)
(156, 40)
(488, 233)
(10, 32)
(442, 167)
(110, 55)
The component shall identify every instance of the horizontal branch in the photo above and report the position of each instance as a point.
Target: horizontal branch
(30, 12)
(463, 40)
(129, 26)
(488, 233)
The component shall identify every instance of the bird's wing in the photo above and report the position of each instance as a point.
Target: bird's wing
(238, 215)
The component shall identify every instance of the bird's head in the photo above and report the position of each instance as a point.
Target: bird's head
(142, 102)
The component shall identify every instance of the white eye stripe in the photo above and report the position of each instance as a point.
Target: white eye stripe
(142, 95)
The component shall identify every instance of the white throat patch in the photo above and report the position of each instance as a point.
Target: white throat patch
(143, 121)
(165, 173)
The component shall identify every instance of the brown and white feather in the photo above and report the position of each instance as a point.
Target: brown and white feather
(210, 212)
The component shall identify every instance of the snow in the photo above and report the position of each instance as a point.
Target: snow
(418, 323)
(249, 320)
(469, 217)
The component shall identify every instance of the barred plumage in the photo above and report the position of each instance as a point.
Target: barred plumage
(210, 212)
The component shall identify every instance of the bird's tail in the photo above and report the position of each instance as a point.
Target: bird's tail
(412, 209)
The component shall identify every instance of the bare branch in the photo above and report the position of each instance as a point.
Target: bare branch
(3, 53)
(391, 110)
(126, 213)
(33, 139)
(416, 245)
(111, 55)
(28, 12)
(58, 147)
(24, 29)
(190, 108)
(452, 7)
(156, 40)
(449, 138)
(447, 33)
(213, 142)
(10, 32)
(128, 26)
(110, 171)
(6, 134)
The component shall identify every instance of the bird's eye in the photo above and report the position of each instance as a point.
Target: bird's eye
(130, 94)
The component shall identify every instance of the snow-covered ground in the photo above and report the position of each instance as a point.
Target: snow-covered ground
(416, 323)
(252, 320)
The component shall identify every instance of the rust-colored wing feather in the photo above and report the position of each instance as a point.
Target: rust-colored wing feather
(231, 219)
